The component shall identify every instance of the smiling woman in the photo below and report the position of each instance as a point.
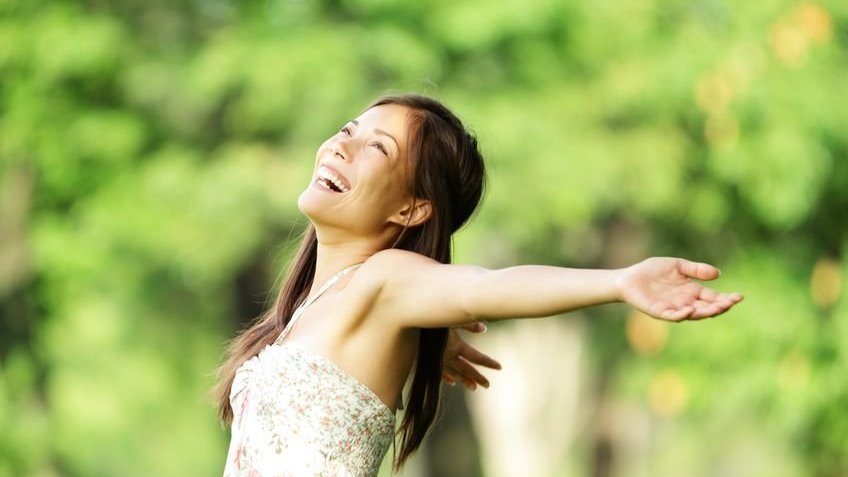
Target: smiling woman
(313, 386)
(361, 176)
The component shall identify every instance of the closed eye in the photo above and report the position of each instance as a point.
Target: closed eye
(381, 147)
(345, 130)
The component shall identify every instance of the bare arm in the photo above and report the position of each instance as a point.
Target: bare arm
(420, 292)
(532, 291)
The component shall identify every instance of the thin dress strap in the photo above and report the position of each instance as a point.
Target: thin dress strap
(302, 307)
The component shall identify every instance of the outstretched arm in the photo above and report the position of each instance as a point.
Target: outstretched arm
(420, 292)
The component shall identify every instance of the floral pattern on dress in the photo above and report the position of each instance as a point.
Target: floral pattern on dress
(296, 413)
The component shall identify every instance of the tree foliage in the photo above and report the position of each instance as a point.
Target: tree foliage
(151, 154)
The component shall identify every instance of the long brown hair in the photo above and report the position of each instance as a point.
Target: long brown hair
(447, 169)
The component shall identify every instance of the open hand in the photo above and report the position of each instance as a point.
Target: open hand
(460, 358)
(663, 288)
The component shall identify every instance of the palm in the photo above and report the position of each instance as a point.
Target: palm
(663, 287)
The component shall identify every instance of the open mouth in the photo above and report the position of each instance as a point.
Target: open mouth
(328, 184)
(331, 181)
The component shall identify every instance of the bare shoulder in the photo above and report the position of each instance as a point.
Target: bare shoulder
(387, 266)
(393, 256)
(387, 278)
(417, 291)
(393, 262)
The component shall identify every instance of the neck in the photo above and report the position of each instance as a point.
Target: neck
(337, 251)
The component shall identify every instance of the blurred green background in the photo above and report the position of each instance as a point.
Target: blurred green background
(151, 154)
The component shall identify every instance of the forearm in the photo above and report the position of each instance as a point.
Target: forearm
(528, 291)
(419, 292)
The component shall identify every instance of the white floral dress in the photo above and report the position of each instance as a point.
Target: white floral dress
(297, 413)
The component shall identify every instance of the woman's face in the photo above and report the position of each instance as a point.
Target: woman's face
(359, 182)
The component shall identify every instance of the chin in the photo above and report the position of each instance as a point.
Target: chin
(309, 204)
(317, 208)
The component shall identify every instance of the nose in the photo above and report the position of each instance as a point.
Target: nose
(339, 150)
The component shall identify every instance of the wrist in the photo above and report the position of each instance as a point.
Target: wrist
(618, 277)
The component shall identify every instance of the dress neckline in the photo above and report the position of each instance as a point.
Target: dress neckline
(384, 408)
(298, 312)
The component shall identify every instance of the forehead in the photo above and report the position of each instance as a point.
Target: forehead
(391, 118)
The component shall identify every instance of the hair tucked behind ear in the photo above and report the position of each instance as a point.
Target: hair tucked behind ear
(447, 169)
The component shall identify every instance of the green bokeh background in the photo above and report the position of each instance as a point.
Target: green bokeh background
(151, 154)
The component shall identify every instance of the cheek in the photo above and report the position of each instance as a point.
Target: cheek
(322, 149)
(387, 188)
(394, 183)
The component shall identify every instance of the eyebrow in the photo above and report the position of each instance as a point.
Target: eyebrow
(379, 131)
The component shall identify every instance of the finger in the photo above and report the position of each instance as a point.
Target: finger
(727, 300)
(455, 370)
(719, 305)
(449, 369)
(700, 308)
(476, 327)
(708, 294)
(673, 313)
(705, 309)
(449, 378)
(698, 270)
(467, 372)
(476, 356)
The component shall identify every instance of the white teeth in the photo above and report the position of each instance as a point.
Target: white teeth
(327, 174)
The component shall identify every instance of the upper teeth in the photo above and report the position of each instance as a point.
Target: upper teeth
(325, 173)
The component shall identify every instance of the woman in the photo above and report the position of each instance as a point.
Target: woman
(312, 388)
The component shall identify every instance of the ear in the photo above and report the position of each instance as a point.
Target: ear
(415, 212)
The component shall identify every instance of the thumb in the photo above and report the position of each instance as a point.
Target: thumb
(698, 270)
